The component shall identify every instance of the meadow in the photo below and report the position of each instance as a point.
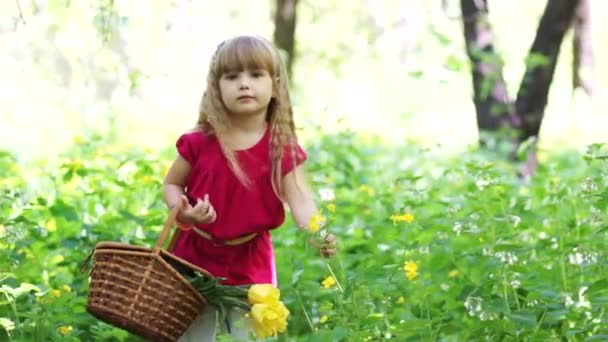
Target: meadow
(434, 250)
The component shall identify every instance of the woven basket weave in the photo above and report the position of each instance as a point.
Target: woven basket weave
(136, 288)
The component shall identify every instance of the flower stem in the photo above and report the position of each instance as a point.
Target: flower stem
(312, 328)
(331, 271)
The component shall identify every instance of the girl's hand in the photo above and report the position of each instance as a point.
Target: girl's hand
(201, 213)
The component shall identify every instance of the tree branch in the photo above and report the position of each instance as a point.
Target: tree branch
(20, 12)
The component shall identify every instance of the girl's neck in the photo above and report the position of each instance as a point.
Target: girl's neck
(248, 124)
(245, 132)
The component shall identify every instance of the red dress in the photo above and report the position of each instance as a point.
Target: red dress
(240, 210)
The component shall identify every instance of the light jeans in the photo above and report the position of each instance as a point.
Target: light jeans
(205, 326)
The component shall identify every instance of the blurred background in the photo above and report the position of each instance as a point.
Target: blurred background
(420, 118)
(134, 71)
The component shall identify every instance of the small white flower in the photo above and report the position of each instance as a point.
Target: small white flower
(457, 227)
(554, 243)
(568, 301)
(515, 220)
(482, 183)
(327, 194)
(507, 257)
(383, 247)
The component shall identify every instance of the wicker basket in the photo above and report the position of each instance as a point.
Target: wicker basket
(137, 289)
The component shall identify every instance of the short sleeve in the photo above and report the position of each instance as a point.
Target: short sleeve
(293, 156)
(188, 146)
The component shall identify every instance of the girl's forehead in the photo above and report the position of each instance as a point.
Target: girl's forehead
(247, 69)
(244, 55)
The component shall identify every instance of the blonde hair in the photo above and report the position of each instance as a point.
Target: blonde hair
(237, 54)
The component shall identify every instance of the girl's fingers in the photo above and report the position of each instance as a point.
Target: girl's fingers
(204, 211)
(207, 217)
(212, 214)
(202, 207)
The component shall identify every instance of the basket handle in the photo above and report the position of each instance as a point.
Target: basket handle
(169, 223)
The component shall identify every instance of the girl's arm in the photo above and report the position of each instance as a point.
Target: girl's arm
(299, 197)
(175, 181)
(173, 194)
(303, 208)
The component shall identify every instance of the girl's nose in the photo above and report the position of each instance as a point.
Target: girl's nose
(243, 83)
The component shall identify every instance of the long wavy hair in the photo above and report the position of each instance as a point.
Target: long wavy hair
(237, 54)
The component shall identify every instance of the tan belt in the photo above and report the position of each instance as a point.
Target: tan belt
(233, 242)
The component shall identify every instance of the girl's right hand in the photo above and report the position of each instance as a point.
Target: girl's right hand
(201, 213)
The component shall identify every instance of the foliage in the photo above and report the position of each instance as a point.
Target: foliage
(429, 249)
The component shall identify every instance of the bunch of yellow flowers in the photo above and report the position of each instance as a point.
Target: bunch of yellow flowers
(268, 313)
(262, 301)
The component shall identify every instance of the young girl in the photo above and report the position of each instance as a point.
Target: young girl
(234, 172)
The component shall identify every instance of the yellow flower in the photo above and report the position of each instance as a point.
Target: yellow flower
(64, 329)
(411, 270)
(367, 189)
(55, 293)
(331, 207)
(401, 300)
(147, 179)
(268, 314)
(269, 319)
(316, 222)
(76, 164)
(407, 217)
(453, 273)
(78, 139)
(323, 319)
(66, 288)
(263, 294)
(328, 282)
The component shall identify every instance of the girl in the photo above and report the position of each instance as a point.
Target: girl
(233, 172)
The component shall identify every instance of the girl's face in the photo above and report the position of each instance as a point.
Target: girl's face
(246, 92)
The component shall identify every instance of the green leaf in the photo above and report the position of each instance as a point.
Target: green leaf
(339, 334)
(523, 317)
(597, 287)
(525, 147)
(295, 277)
(62, 209)
(535, 60)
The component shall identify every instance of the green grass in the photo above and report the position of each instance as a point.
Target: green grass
(498, 258)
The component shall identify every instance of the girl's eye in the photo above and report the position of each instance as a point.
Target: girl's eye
(230, 76)
(257, 74)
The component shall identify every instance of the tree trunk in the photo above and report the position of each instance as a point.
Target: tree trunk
(492, 105)
(534, 88)
(542, 59)
(582, 49)
(285, 29)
